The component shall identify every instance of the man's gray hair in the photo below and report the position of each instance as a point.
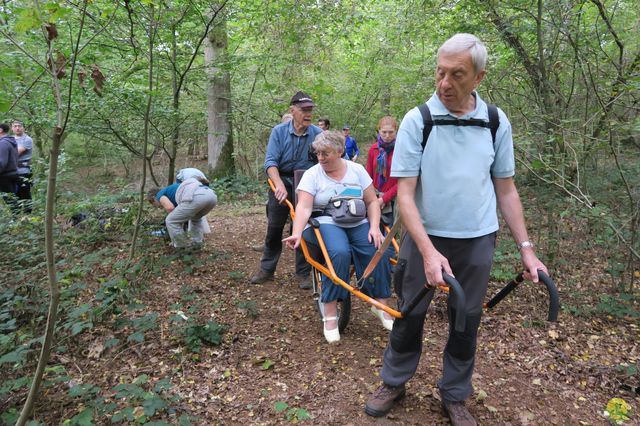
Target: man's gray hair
(329, 140)
(463, 42)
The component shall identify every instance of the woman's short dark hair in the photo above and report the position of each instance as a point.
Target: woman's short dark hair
(151, 194)
(325, 120)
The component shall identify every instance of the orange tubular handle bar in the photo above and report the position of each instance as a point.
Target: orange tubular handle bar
(330, 272)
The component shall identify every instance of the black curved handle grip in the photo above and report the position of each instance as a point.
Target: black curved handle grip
(455, 291)
(554, 299)
(505, 291)
(459, 299)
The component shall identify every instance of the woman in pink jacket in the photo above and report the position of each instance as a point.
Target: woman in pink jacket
(379, 165)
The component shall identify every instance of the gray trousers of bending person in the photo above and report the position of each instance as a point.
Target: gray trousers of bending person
(470, 260)
(204, 199)
(277, 215)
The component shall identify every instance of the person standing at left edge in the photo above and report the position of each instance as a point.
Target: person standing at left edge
(25, 152)
(287, 151)
(8, 167)
(449, 188)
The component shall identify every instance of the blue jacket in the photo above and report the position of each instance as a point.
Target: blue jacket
(351, 148)
(289, 152)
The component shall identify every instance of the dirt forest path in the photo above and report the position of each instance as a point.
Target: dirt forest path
(528, 371)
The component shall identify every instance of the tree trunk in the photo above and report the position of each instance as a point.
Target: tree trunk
(62, 116)
(54, 288)
(147, 120)
(219, 138)
(175, 134)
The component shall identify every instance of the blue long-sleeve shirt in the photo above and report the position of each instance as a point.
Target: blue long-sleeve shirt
(287, 151)
(170, 193)
(351, 148)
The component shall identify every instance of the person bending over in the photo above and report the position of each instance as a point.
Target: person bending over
(187, 203)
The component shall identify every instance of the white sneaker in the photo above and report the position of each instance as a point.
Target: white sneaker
(386, 323)
(332, 336)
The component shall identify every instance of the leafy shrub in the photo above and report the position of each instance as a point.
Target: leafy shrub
(292, 414)
(235, 187)
(197, 334)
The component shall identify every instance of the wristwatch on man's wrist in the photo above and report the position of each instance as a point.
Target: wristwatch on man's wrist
(525, 244)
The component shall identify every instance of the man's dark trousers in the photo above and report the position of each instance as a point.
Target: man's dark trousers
(24, 192)
(470, 261)
(276, 219)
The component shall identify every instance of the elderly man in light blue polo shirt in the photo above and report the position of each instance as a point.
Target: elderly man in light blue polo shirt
(287, 151)
(448, 193)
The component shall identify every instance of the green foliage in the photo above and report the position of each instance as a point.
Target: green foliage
(138, 326)
(624, 305)
(621, 306)
(197, 334)
(236, 275)
(236, 187)
(574, 124)
(87, 296)
(139, 401)
(250, 307)
(292, 414)
(506, 261)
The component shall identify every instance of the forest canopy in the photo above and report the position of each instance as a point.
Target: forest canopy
(126, 93)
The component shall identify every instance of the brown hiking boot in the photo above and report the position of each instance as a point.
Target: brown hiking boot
(261, 276)
(381, 401)
(304, 281)
(458, 414)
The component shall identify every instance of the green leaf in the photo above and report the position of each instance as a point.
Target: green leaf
(18, 355)
(111, 343)
(302, 414)
(136, 337)
(127, 390)
(141, 379)
(537, 164)
(162, 385)
(84, 418)
(83, 389)
(267, 364)
(280, 406)
(152, 405)
(78, 327)
(126, 414)
(28, 19)
(184, 420)
(9, 417)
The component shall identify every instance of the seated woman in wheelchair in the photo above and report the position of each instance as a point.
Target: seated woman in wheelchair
(340, 195)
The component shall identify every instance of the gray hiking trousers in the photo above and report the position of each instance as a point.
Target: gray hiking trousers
(204, 199)
(470, 260)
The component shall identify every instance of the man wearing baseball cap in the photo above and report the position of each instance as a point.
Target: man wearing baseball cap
(287, 151)
(351, 148)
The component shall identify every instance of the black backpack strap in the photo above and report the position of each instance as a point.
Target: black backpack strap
(494, 121)
(428, 123)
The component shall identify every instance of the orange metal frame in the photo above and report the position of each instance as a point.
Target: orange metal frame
(328, 269)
